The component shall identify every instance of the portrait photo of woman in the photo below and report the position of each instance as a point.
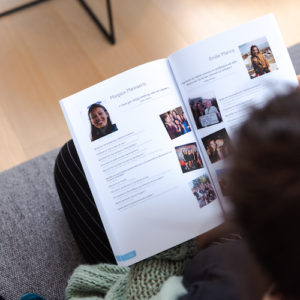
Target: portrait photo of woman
(258, 57)
(100, 121)
(259, 62)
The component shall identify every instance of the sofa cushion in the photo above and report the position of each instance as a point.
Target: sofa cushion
(37, 250)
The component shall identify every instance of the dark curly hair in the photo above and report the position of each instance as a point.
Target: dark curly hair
(265, 188)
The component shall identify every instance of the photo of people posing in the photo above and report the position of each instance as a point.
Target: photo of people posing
(175, 122)
(205, 111)
(223, 181)
(258, 57)
(189, 157)
(217, 145)
(203, 190)
(100, 121)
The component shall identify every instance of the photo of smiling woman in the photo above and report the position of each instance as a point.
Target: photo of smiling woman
(259, 62)
(101, 124)
(258, 57)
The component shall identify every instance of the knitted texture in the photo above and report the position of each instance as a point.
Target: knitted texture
(97, 281)
(140, 281)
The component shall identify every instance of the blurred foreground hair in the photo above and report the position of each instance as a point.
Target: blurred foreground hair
(265, 188)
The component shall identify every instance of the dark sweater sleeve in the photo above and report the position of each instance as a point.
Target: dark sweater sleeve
(223, 272)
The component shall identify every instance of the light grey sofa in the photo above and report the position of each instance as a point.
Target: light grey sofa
(37, 250)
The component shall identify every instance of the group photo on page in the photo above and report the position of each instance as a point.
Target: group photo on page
(175, 122)
(189, 157)
(205, 110)
(203, 190)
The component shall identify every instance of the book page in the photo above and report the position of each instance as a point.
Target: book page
(222, 77)
(146, 172)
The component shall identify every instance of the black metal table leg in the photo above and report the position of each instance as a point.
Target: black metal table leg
(108, 34)
(21, 7)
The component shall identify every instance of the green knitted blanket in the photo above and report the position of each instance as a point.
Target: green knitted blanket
(140, 281)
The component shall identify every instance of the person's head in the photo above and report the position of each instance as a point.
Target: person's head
(265, 189)
(174, 113)
(254, 50)
(99, 119)
(98, 115)
(212, 145)
(167, 119)
(207, 103)
(219, 143)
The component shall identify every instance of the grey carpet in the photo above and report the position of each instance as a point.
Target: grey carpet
(37, 250)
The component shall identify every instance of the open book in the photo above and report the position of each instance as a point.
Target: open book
(153, 140)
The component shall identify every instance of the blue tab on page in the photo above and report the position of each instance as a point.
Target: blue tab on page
(126, 256)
